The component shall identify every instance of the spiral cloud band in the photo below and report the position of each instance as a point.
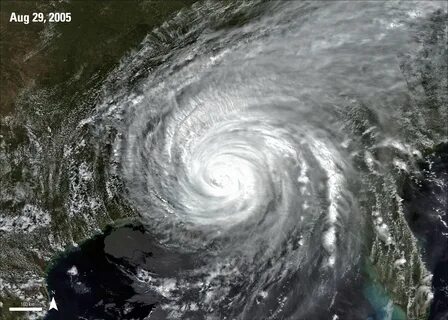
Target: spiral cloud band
(239, 148)
(249, 174)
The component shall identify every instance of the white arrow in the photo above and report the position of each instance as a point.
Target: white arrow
(53, 305)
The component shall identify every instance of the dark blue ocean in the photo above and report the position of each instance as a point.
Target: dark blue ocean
(103, 286)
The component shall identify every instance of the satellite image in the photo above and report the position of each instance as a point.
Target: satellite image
(224, 160)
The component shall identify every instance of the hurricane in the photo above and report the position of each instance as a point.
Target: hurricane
(262, 145)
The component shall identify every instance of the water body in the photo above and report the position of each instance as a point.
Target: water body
(265, 162)
(97, 280)
(426, 201)
(281, 160)
(90, 283)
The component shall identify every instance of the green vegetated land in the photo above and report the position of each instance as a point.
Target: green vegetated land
(48, 71)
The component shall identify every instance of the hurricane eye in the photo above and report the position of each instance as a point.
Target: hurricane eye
(269, 152)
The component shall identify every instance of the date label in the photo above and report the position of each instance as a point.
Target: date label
(40, 17)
